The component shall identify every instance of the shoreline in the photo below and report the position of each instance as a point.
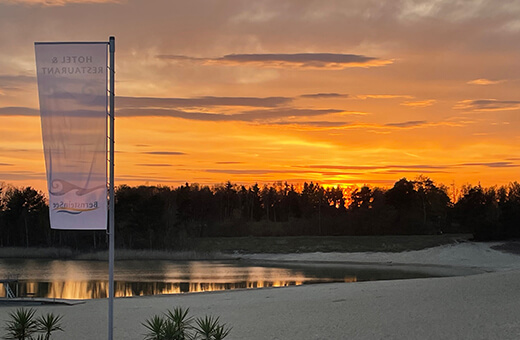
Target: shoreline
(479, 306)
(225, 247)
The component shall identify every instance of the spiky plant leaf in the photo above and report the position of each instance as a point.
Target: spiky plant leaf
(21, 325)
(181, 323)
(221, 332)
(49, 323)
(206, 326)
(155, 328)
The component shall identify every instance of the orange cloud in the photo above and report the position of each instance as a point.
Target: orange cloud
(483, 81)
(420, 103)
(381, 96)
(487, 105)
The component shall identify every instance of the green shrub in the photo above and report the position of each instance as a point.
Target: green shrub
(23, 325)
(177, 325)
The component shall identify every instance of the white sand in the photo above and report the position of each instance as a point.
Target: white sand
(482, 306)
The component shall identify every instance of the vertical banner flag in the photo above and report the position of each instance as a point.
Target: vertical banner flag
(72, 87)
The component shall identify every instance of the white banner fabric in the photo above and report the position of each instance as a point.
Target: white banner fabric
(72, 87)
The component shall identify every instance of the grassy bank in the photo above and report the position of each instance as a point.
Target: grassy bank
(306, 244)
(218, 248)
(120, 254)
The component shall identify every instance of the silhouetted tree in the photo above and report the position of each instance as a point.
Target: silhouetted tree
(509, 203)
(24, 214)
(478, 210)
(422, 207)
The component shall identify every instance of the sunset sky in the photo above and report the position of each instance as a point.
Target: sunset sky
(345, 92)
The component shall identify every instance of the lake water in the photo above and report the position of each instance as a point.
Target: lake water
(89, 279)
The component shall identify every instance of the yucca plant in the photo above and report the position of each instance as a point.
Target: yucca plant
(22, 325)
(49, 323)
(177, 325)
(174, 325)
(210, 329)
(221, 331)
(181, 323)
(155, 326)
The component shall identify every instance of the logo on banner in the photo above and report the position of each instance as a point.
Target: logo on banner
(75, 207)
(71, 206)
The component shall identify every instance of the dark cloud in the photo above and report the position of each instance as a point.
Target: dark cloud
(248, 116)
(15, 175)
(150, 102)
(324, 95)
(488, 105)
(177, 57)
(18, 111)
(27, 111)
(493, 164)
(212, 117)
(10, 82)
(297, 60)
(412, 123)
(303, 60)
(289, 112)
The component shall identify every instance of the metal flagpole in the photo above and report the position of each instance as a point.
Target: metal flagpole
(111, 220)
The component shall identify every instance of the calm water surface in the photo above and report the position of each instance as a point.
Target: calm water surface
(89, 279)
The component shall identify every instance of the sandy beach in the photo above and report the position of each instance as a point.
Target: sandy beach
(482, 303)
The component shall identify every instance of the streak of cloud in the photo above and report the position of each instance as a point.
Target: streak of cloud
(317, 124)
(164, 153)
(18, 111)
(324, 95)
(493, 164)
(6, 79)
(134, 102)
(248, 116)
(153, 165)
(333, 61)
(419, 103)
(487, 105)
(483, 81)
(381, 96)
(413, 123)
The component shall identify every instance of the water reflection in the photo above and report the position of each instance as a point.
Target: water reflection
(88, 279)
(99, 289)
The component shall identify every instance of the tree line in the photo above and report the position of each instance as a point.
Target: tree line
(161, 217)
